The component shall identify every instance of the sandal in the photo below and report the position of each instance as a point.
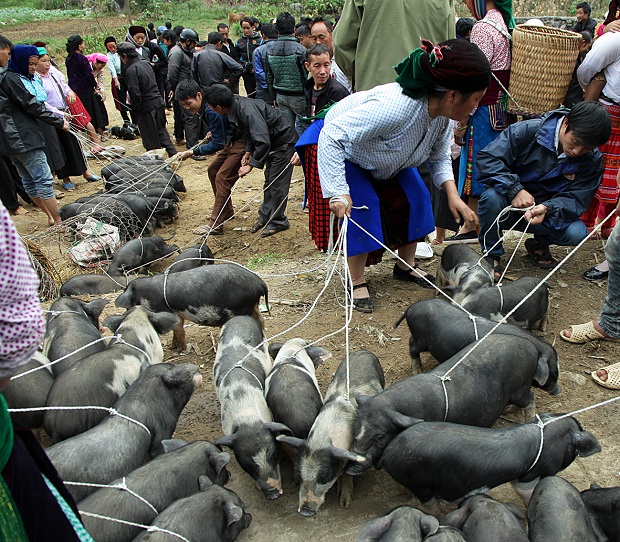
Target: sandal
(405, 274)
(208, 230)
(257, 226)
(613, 377)
(362, 304)
(272, 229)
(538, 254)
(583, 333)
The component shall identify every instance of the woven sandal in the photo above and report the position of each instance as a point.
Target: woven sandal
(613, 377)
(583, 333)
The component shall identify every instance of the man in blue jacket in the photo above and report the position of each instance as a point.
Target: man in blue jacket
(549, 167)
(224, 170)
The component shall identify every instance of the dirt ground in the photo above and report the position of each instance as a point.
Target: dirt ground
(294, 271)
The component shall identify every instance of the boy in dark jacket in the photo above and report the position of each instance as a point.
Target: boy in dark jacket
(549, 166)
(146, 102)
(269, 140)
(244, 49)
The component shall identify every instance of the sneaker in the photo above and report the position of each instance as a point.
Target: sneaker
(198, 158)
(469, 237)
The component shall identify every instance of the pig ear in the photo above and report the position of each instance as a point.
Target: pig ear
(542, 372)
(123, 301)
(318, 354)
(585, 443)
(291, 441)
(361, 399)
(346, 455)
(274, 348)
(449, 290)
(163, 322)
(456, 518)
(429, 525)
(402, 421)
(94, 308)
(227, 440)
(220, 461)
(204, 482)
(375, 529)
(233, 513)
(278, 428)
(112, 322)
(172, 444)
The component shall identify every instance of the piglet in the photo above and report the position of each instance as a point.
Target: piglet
(323, 454)
(440, 460)
(402, 523)
(483, 519)
(463, 271)
(603, 504)
(293, 369)
(191, 257)
(556, 513)
(117, 446)
(101, 378)
(171, 476)
(215, 513)
(91, 284)
(241, 365)
(139, 253)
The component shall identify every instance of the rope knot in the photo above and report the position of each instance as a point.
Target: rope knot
(445, 378)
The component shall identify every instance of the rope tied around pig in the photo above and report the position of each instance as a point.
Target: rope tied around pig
(148, 528)
(122, 486)
(110, 410)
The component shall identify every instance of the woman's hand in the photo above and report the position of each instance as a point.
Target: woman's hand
(70, 97)
(295, 160)
(117, 83)
(341, 205)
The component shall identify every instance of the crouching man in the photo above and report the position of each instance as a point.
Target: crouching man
(269, 140)
(549, 166)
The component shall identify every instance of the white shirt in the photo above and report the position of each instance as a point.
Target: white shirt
(605, 56)
(383, 131)
(336, 73)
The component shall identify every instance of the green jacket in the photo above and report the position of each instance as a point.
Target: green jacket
(372, 36)
(285, 69)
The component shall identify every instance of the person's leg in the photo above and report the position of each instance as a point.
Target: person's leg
(226, 177)
(162, 132)
(278, 173)
(490, 206)
(8, 194)
(122, 100)
(192, 125)
(570, 236)
(610, 314)
(249, 82)
(285, 108)
(179, 121)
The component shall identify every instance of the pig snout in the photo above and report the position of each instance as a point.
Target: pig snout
(271, 489)
(310, 505)
(197, 381)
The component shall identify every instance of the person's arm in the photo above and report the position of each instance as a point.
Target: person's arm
(259, 70)
(133, 88)
(86, 70)
(233, 69)
(570, 204)
(111, 67)
(156, 50)
(603, 53)
(18, 93)
(22, 324)
(174, 64)
(346, 36)
(494, 163)
(195, 69)
(258, 142)
(218, 134)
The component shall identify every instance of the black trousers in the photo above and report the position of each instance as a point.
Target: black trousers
(153, 130)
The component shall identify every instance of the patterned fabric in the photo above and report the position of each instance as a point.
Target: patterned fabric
(21, 320)
(35, 87)
(491, 41)
(608, 191)
(79, 529)
(383, 131)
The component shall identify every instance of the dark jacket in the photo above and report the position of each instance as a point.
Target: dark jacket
(244, 48)
(589, 24)
(259, 61)
(524, 157)
(213, 66)
(332, 92)
(142, 86)
(261, 126)
(80, 74)
(286, 73)
(220, 129)
(19, 110)
(229, 48)
(179, 65)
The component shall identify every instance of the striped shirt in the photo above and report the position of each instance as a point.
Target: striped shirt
(383, 131)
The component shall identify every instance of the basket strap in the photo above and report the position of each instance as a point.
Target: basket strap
(506, 91)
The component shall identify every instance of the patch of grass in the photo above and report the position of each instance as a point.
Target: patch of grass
(18, 15)
(262, 261)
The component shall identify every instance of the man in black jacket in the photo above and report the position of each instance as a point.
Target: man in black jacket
(211, 65)
(20, 137)
(269, 142)
(146, 102)
(244, 49)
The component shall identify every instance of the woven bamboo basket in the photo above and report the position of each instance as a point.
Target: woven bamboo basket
(543, 60)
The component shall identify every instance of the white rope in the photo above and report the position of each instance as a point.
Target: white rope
(541, 426)
(111, 411)
(122, 486)
(64, 357)
(148, 528)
